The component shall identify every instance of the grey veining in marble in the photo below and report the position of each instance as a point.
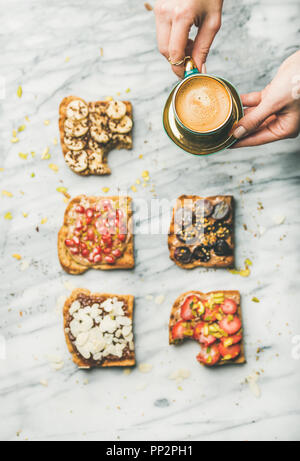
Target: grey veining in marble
(38, 403)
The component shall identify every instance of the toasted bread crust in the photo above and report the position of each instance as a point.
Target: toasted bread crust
(175, 317)
(216, 261)
(105, 170)
(77, 358)
(73, 267)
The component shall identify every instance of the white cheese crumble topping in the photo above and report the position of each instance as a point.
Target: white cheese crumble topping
(101, 329)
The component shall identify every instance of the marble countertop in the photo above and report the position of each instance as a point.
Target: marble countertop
(53, 49)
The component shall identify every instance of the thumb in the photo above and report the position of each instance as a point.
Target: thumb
(251, 121)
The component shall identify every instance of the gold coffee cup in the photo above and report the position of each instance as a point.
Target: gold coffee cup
(202, 121)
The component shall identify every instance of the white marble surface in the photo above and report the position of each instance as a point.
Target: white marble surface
(36, 37)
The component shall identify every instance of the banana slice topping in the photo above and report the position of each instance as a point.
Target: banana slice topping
(116, 110)
(77, 110)
(77, 161)
(98, 119)
(76, 127)
(74, 143)
(123, 126)
(99, 135)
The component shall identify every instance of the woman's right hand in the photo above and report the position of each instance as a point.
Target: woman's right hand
(273, 113)
(174, 19)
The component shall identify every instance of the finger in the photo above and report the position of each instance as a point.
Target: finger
(252, 120)
(178, 43)
(251, 99)
(204, 39)
(260, 137)
(163, 32)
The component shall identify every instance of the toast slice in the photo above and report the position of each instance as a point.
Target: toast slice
(95, 339)
(89, 131)
(111, 250)
(187, 314)
(202, 232)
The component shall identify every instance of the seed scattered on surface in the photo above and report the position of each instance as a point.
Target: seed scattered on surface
(17, 256)
(8, 215)
(19, 91)
(23, 156)
(6, 193)
(45, 154)
(53, 167)
(145, 367)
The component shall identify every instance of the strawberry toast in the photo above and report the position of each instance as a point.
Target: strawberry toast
(212, 319)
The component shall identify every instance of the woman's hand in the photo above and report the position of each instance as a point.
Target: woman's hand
(273, 113)
(174, 19)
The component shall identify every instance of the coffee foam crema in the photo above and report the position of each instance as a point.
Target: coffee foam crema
(202, 104)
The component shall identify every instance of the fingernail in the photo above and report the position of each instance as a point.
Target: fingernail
(239, 132)
(203, 69)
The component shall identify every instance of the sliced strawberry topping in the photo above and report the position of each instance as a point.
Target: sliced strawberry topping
(122, 237)
(186, 308)
(202, 336)
(179, 330)
(231, 324)
(209, 355)
(230, 352)
(229, 306)
(106, 251)
(74, 250)
(230, 340)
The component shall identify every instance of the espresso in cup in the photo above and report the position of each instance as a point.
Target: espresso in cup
(203, 104)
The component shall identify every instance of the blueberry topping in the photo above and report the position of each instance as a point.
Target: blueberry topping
(222, 248)
(201, 253)
(221, 210)
(183, 255)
